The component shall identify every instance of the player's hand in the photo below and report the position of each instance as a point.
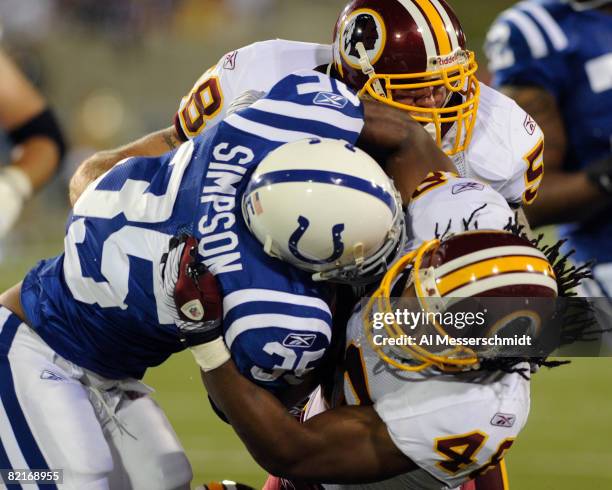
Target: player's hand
(244, 100)
(600, 173)
(193, 296)
(191, 291)
(15, 188)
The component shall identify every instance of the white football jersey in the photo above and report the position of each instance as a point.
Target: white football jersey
(256, 67)
(507, 145)
(444, 203)
(450, 425)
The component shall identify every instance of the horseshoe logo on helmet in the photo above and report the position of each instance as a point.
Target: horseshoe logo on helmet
(296, 236)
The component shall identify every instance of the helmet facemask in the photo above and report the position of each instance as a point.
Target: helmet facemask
(458, 79)
(386, 49)
(438, 292)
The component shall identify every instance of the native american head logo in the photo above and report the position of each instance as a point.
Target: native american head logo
(362, 26)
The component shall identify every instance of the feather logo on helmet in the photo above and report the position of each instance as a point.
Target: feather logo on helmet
(363, 26)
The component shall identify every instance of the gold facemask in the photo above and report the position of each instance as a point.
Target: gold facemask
(458, 79)
(413, 357)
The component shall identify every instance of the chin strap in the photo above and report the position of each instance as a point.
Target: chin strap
(368, 69)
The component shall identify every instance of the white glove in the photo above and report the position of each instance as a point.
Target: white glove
(244, 100)
(15, 188)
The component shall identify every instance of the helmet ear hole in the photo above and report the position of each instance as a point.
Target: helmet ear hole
(326, 208)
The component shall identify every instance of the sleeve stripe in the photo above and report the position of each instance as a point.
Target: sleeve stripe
(291, 323)
(264, 131)
(313, 113)
(547, 23)
(529, 30)
(256, 295)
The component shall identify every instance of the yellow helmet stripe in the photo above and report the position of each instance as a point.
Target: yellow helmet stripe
(450, 28)
(436, 22)
(492, 267)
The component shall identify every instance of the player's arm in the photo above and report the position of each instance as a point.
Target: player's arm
(348, 444)
(552, 204)
(37, 141)
(297, 107)
(401, 145)
(190, 120)
(151, 145)
(537, 84)
(343, 445)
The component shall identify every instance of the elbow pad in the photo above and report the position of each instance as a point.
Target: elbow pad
(43, 124)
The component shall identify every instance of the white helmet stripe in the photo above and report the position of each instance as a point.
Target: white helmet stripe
(528, 278)
(448, 25)
(487, 253)
(417, 15)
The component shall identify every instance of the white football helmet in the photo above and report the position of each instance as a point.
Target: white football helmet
(327, 207)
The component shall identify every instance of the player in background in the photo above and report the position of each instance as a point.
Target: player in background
(38, 144)
(411, 54)
(81, 329)
(414, 417)
(554, 58)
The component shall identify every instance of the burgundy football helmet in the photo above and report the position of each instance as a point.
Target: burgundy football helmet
(460, 270)
(388, 48)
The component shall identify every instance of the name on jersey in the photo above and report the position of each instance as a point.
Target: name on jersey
(219, 242)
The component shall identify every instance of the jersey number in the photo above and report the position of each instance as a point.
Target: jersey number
(204, 103)
(289, 363)
(355, 375)
(460, 452)
(431, 182)
(534, 173)
(138, 206)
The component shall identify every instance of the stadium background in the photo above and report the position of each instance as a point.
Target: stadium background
(115, 70)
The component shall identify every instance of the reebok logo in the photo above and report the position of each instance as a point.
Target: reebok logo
(330, 99)
(302, 340)
(503, 420)
(46, 374)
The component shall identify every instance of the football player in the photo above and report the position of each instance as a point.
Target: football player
(412, 417)
(81, 329)
(36, 137)
(410, 54)
(554, 58)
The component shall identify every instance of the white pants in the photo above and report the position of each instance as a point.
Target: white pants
(103, 434)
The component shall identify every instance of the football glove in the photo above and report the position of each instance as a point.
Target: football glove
(600, 173)
(193, 298)
(15, 188)
(244, 100)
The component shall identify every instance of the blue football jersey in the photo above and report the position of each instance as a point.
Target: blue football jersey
(548, 44)
(100, 303)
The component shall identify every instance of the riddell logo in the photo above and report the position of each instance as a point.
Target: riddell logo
(451, 59)
(448, 60)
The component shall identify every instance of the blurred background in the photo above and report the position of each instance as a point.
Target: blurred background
(115, 70)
